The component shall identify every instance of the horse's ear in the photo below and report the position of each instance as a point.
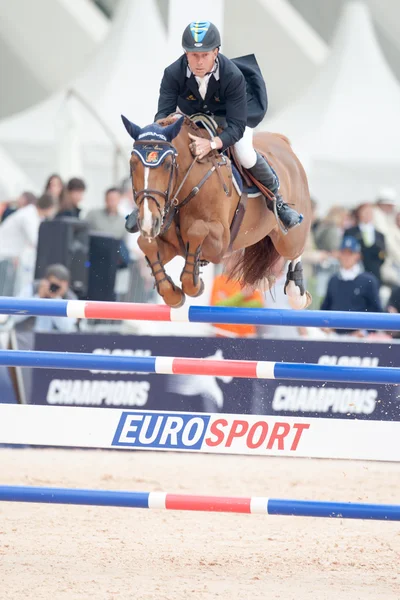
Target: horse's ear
(131, 128)
(173, 130)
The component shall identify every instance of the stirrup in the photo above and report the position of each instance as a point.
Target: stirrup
(281, 226)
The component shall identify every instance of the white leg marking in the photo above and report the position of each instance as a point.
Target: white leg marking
(147, 214)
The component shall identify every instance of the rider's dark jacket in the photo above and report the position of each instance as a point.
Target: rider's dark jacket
(238, 96)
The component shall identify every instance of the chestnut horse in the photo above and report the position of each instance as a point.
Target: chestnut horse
(186, 208)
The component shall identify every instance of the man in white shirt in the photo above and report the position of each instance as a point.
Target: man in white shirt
(385, 211)
(19, 238)
(20, 231)
(372, 241)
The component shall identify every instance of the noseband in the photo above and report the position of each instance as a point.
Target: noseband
(152, 154)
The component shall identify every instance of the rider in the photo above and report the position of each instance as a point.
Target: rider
(205, 81)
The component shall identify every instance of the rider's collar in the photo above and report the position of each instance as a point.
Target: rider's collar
(153, 153)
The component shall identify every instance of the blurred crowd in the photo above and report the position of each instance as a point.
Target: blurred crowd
(351, 262)
(20, 221)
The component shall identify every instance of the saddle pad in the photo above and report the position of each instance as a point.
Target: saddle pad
(241, 186)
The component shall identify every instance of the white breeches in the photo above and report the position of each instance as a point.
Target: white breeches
(245, 152)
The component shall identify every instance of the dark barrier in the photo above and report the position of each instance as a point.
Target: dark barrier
(219, 394)
(7, 390)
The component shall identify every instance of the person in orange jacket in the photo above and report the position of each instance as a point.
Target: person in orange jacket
(228, 292)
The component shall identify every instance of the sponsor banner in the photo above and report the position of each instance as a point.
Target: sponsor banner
(196, 393)
(199, 432)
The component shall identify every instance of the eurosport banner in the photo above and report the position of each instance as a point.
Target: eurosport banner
(194, 393)
(199, 432)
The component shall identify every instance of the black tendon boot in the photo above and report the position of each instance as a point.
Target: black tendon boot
(265, 175)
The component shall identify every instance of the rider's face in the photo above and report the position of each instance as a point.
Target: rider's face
(201, 63)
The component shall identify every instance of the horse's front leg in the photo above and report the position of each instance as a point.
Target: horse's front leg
(201, 239)
(157, 253)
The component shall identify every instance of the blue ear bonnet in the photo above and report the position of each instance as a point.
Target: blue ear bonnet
(153, 142)
(158, 147)
(152, 154)
(153, 132)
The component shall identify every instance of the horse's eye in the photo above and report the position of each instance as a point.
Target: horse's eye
(167, 165)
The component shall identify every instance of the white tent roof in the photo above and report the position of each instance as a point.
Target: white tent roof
(350, 113)
(123, 78)
(13, 180)
(349, 116)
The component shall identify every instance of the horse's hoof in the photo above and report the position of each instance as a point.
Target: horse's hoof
(181, 303)
(201, 290)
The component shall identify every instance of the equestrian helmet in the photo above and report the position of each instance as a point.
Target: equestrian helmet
(201, 36)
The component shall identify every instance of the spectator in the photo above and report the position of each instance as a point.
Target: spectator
(54, 285)
(394, 307)
(315, 220)
(21, 229)
(372, 242)
(55, 187)
(229, 292)
(24, 199)
(71, 199)
(329, 233)
(352, 289)
(385, 213)
(314, 259)
(127, 203)
(394, 302)
(108, 220)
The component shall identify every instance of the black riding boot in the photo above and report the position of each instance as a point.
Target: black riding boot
(265, 175)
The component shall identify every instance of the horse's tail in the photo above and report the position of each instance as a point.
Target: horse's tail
(256, 263)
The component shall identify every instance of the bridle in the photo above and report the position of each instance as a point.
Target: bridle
(159, 151)
(143, 148)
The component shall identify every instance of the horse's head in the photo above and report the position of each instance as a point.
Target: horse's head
(153, 166)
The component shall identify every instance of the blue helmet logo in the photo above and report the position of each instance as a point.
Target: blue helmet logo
(199, 29)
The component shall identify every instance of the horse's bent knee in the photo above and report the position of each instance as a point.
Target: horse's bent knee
(198, 231)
